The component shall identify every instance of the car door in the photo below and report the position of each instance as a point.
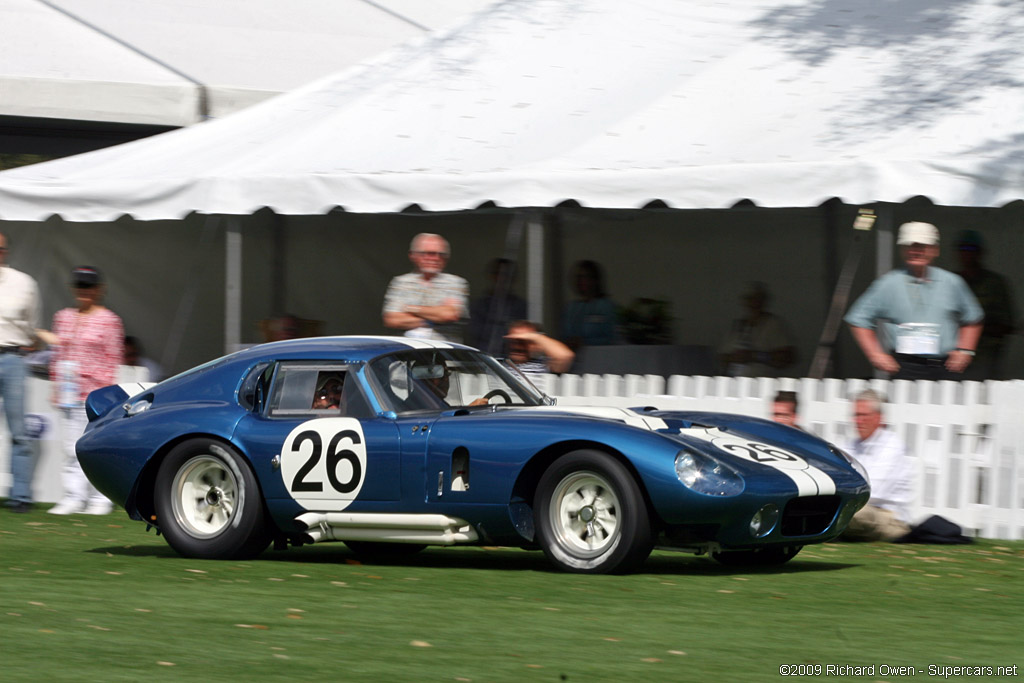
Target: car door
(328, 458)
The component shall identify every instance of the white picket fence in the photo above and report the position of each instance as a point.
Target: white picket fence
(967, 437)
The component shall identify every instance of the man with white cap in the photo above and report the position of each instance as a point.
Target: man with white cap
(930, 320)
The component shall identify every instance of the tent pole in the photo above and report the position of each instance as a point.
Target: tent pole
(233, 285)
(535, 267)
(531, 223)
(840, 296)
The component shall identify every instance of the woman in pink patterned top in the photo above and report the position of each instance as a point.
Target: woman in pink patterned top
(89, 349)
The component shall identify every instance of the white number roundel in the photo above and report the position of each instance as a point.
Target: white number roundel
(323, 463)
(761, 453)
(754, 451)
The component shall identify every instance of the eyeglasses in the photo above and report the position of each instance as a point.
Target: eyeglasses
(432, 254)
(330, 389)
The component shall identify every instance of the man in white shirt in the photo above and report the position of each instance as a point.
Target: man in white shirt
(886, 517)
(19, 314)
(428, 303)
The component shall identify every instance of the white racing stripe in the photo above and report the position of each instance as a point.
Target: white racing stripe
(826, 486)
(132, 388)
(609, 413)
(811, 482)
(412, 343)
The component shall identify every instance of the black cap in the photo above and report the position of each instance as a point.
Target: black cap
(86, 276)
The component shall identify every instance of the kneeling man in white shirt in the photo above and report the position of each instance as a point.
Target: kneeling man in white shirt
(886, 517)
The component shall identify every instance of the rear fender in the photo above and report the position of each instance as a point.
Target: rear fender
(141, 500)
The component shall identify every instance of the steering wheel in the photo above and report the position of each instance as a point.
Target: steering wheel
(498, 392)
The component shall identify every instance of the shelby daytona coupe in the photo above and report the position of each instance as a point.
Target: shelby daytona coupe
(393, 444)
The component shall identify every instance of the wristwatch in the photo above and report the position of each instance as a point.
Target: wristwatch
(969, 352)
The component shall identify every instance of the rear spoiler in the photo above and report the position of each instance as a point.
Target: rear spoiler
(101, 401)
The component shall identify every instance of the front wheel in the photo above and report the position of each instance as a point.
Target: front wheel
(762, 557)
(591, 515)
(208, 504)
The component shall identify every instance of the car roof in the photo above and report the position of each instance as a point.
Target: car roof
(349, 348)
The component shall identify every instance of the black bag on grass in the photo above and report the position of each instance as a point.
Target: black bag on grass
(935, 529)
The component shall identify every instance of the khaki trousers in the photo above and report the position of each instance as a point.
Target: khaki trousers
(874, 524)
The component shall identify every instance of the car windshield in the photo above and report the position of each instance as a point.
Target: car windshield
(436, 379)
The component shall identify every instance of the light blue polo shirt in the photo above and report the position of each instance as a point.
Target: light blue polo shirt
(896, 298)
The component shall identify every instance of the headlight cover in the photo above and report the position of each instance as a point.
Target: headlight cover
(854, 463)
(703, 474)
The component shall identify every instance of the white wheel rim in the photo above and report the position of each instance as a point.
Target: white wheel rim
(205, 496)
(584, 513)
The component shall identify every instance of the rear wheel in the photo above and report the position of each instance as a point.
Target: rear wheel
(591, 516)
(208, 504)
(762, 557)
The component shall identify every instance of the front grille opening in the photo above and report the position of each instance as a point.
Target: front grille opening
(809, 516)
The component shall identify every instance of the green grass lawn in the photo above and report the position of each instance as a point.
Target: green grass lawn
(98, 599)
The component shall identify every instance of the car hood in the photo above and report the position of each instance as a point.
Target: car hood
(746, 443)
(626, 415)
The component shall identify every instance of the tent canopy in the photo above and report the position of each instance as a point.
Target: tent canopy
(611, 104)
(175, 62)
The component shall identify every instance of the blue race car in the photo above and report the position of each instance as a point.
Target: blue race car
(392, 444)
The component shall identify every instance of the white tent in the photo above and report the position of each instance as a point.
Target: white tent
(611, 104)
(608, 103)
(176, 62)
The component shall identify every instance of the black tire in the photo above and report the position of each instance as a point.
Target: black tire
(382, 550)
(590, 515)
(208, 504)
(762, 557)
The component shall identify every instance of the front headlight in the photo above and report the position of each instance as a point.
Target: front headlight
(704, 474)
(854, 463)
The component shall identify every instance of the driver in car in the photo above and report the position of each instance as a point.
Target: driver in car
(437, 377)
(328, 394)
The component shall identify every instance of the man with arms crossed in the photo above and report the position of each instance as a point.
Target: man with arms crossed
(427, 303)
